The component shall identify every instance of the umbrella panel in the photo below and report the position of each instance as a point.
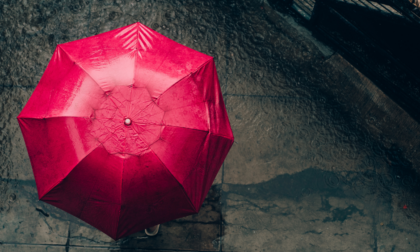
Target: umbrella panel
(131, 194)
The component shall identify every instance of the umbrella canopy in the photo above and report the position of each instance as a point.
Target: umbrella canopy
(126, 129)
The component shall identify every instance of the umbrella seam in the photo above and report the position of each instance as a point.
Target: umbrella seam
(205, 102)
(198, 159)
(202, 197)
(208, 131)
(201, 147)
(183, 106)
(119, 210)
(90, 194)
(229, 138)
(141, 138)
(186, 76)
(49, 190)
(77, 64)
(159, 64)
(43, 118)
(103, 201)
(134, 74)
(137, 44)
(146, 107)
(183, 189)
(173, 127)
(61, 79)
(206, 186)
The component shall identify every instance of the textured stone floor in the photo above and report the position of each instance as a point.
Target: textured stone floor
(312, 167)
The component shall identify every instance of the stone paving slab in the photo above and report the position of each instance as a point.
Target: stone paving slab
(310, 184)
(277, 135)
(295, 217)
(26, 220)
(95, 249)
(32, 248)
(196, 232)
(14, 159)
(275, 59)
(289, 214)
(173, 235)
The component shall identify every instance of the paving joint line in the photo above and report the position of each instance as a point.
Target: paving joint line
(104, 247)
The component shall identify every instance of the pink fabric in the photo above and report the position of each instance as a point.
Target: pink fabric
(122, 178)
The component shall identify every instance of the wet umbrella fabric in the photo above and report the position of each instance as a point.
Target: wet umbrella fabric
(126, 129)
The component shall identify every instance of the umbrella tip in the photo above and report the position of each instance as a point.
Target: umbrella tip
(127, 121)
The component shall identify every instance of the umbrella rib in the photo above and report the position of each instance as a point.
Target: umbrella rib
(134, 80)
(60, 80)
(87, 200)
(196, 166)
(186, 76)
(148, 123)
(161, 62)
(137, 41)
(141, 138)
(185, 106)
(112, 100)
(226, 137)
(121, 190)
(206, 174)
(43, 118)
(183, 189)
(70, 171)
(77, 64)
(126, 145)
(187, 128)
(201, 148)
(145, 107)
(110, 132)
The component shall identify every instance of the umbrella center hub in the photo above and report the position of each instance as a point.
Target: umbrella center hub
(127, 121)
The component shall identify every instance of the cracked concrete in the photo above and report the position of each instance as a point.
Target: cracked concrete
(322, 159)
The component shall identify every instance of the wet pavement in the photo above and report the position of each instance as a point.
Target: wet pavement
(322, 159)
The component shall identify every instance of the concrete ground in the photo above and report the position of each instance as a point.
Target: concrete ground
(322, 160)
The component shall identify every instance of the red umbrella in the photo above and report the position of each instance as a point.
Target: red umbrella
(126, 130)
